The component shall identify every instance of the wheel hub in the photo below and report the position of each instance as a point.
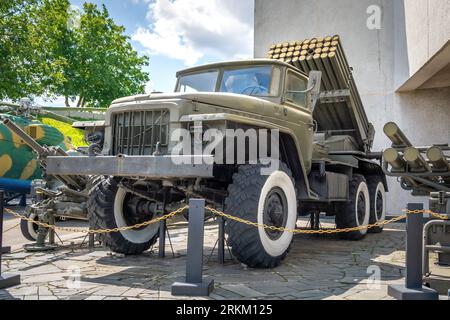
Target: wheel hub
(361, 208)
(275, 212)
(379, 205)
(137, 210)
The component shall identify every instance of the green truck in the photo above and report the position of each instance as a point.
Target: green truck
(323, 141)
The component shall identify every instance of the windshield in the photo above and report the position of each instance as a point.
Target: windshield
(254, 81)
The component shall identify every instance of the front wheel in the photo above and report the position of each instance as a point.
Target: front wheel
(269, 200)
(110, 206)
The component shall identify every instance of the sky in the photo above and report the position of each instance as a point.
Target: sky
(177, 34)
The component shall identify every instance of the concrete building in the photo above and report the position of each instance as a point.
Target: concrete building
(400, 54)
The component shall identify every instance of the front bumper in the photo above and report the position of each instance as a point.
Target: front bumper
(155, 167)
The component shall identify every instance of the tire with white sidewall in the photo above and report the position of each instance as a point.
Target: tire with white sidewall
(269, 200)
(109, 207)
(29, 229)
(278, 179)
(377, 193)
(356, 212)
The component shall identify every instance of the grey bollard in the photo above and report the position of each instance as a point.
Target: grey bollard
(6, 250)
(162, 239)
(221, 242)
(413, 288)
(6, 280)
(195, 284)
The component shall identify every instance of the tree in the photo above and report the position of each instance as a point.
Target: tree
(107, 65)
(18, 71)
(41, 53)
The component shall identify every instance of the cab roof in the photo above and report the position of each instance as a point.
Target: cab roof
(235, 63)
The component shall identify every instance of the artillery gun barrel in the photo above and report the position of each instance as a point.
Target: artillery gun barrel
(396, 135)
(393, 157)
(25, 137)
(438, 159)
(415, 159)
(77, 182)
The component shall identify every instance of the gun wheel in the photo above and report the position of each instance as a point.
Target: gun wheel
(29, 229)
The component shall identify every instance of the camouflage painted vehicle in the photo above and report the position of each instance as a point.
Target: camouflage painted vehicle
(18, 163)
(324, 141)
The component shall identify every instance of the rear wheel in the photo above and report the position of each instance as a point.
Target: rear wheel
(269, 200)
(356, 212)
(110, 206)
(377, 194)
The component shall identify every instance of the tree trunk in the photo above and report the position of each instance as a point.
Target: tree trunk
(80, 101)
(66, 101)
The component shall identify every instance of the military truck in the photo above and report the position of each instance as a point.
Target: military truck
(325, 167)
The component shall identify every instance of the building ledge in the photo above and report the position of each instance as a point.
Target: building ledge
(433, 74)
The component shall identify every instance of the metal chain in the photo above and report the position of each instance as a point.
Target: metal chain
(431, 213)
(234, 218)
(13, 227)
(97, 231)
(303, 231)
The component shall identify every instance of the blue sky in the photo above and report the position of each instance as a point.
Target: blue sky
(176, 34)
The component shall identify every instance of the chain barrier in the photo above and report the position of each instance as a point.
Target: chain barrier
(304, 231)
(230, 217)
(13, 227)
(99, 231)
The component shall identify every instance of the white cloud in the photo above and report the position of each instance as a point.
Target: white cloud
(140, 1)
(188, 30)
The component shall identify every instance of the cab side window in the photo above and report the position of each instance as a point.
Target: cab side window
(294, 84)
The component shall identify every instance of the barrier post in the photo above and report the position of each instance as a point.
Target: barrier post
(221, 242)
(6, 250)
(162, 239)
(413, 288)
(194, 285)
(6, 280)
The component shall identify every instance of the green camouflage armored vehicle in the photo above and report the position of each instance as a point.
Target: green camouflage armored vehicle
(258, 139)
(18, 165)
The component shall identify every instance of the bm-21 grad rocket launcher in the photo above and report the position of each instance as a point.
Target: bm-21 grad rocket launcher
(425, 171)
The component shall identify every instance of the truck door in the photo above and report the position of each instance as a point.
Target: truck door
(297, 111)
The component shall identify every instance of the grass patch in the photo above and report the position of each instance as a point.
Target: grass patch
(76, 135)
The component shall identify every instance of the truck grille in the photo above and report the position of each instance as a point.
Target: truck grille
(138, 132)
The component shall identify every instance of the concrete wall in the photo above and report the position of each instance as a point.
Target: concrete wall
(427, 28)
(382, 59)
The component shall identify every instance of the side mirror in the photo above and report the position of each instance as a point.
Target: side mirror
(315, 78)
(314, 82)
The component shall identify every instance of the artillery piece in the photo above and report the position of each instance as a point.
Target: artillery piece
(55, 196)
(425, 171)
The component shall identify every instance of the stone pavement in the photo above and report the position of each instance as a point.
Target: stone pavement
(317, 267)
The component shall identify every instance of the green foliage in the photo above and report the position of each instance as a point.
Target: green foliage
(18, 70)
(43, 52)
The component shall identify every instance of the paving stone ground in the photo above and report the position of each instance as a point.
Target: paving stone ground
(317, 267)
